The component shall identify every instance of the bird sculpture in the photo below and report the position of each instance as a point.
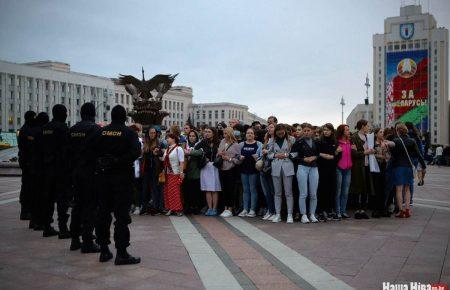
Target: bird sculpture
(143, 89)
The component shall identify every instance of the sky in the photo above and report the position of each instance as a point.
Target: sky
(294, 59)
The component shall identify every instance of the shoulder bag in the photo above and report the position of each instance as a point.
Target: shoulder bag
(409, 158)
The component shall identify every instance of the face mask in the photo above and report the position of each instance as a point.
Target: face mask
(237, 133)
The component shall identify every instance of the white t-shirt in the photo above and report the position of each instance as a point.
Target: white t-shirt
(175, 158)
(439, 151)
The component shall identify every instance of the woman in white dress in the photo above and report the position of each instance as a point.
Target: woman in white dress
(209, 174)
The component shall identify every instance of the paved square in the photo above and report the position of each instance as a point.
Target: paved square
(180, 253)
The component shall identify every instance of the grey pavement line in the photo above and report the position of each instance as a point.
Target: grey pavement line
(431, 200)
(240, 276)
(213, 273)
(285, 270)
(5, 201)
(432, 206)
(9, 192)
(300, 265)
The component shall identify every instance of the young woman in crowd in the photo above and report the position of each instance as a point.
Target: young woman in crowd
(229, 152)
(193, 199)
(307, 152)
(265, 175)
(151, 168)
(173, 159)
(379, 178)
(403, 153)
(361, 178)
(282, 171)
(343, 170)
(415, 134)
(326, 163)
(250, 151)
(209, 174)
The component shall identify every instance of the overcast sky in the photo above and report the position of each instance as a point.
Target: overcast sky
(294, 59)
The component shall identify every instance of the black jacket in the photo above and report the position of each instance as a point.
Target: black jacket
(327, 146)
(79, 133)
(24, 144)
(118, 142)
(55, 146)
(399, 156)
(210, 152)
(303, 150)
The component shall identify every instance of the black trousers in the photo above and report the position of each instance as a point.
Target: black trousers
(115, 196)
(228, 181)
(57, 190)
(85, 206)
(326, 191)
(193, 197)
(379, 184)
(363, 198)
(37, 197)
(26, 191)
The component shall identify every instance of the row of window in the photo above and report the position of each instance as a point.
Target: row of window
(232, 114)
(123, 97)
(173, 105)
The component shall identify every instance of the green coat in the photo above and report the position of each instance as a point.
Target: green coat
(193, 158)
(359, 177)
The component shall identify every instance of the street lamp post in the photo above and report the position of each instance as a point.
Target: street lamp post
(367, 85)
(342, 112)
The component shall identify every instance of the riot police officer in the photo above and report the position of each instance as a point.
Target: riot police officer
(36, 171)
(24, 141)
(115, 147)
(82, 169)
(55, 143)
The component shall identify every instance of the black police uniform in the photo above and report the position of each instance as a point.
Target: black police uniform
(115, 148)
(24, 145)
(85, 203)
(37, 165)
(55, 145)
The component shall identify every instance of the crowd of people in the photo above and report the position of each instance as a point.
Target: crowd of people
(279, 171)
(275, 171)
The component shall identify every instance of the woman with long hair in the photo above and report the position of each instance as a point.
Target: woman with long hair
(250, 150)
(379, 178)
(343, 170)
(282, 171)
(151, 168)
(193, 199)
(403, 153)
(361, 185)
(265, 174)
(229, 152)
(306, 152)
(173, 159)
(209, 174)
(326, 164)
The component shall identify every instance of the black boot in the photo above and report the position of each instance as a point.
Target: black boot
(31, 225)
(38, 227)
(123, 258)
(25, 216)
(64, 232)
(89, 247)
(49, 231)
(105, 254)
(75, 244)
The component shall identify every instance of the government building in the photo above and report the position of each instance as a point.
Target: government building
(38, 86)
(410, 74)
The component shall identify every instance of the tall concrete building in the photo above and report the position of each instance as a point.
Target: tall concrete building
(410, 71)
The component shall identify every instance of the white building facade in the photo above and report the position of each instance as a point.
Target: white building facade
(39, 86)
(410, 72)
(212, 114)
(360, 112)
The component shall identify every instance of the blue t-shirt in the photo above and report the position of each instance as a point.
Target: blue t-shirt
(248, 164)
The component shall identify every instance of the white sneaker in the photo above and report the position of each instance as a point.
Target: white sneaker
(312, 218)
(137, 211)
(305, 219)
(276, 218)
(251, 213)
(243, 213)
(290, 219)
(267, 216)
(226, 213)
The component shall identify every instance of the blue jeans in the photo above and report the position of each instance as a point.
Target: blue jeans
(267, 187)
(151, 190)
(343, 178)
(308, 176)
(249, 183)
